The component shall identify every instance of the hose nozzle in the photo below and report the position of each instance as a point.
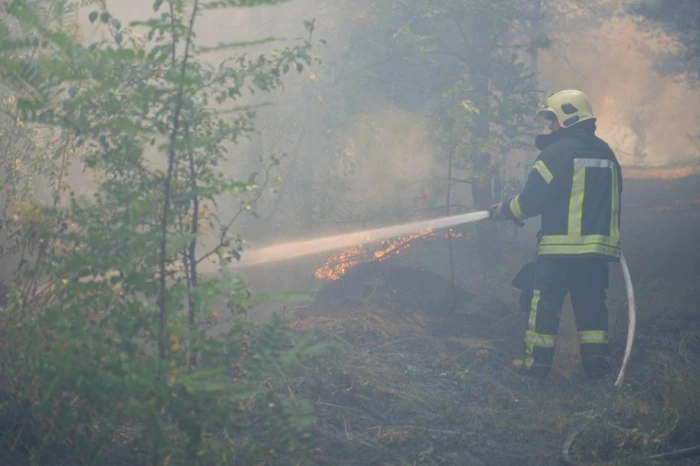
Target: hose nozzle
(492, 211)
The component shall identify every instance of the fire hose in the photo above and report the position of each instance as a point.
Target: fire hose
(298, 249)
(631, 310)
(581, 427)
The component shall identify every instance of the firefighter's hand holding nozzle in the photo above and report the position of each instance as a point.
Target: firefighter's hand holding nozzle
(496, 212)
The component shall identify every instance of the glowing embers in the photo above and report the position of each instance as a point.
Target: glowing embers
(336, 266)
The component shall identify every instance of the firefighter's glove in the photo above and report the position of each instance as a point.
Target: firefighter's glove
(496, 212)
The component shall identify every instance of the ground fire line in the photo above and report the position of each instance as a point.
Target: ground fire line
(337, 265)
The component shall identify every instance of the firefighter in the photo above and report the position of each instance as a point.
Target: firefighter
(575, 186)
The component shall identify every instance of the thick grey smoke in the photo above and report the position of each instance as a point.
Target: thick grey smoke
(651, 120)
(383, 153)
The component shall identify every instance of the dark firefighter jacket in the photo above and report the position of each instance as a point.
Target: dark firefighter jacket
(575, 185)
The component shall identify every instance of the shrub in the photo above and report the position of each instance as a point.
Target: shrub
(105, 329)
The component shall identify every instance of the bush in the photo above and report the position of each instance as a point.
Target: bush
(105, 329)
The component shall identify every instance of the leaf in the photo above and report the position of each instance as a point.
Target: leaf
(157, 4)
(93, 16)
(469, 107)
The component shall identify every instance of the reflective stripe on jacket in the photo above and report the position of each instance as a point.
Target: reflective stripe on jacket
(576, 186)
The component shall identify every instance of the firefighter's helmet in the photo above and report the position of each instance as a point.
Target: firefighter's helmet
(567, 107)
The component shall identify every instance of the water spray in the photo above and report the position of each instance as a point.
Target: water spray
(297, 249)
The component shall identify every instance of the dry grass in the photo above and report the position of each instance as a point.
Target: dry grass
(402, 391)
(659, 411)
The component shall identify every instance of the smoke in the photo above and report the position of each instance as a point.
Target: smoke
(649, 119)
(382, 153)
(394, 153)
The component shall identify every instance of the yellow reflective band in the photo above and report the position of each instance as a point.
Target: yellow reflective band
(543, 171)
(593, 336)
(515, 208)
(532, 321)
(576, 201)
(615, 210)
(532, 327)
(540, 339)
(572, 245)
(583, 249)
(566, 240)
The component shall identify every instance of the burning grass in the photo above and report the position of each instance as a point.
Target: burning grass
(338, 265)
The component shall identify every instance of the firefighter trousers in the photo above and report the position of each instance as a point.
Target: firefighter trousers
(586, 279)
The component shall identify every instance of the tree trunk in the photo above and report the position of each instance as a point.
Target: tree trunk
(537, 31)
(488, 239)
(307, 178)
(453, 296)
(498, 187)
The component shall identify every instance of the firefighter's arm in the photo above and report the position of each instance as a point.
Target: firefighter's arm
(530, 202)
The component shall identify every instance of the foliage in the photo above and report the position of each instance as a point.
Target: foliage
(109, 326)
(417, 62)
(30, 155)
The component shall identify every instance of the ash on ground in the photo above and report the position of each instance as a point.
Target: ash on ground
(393, 286)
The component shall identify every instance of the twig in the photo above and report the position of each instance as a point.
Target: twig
(571, 438)
(191, 251)
(228, 226)
(498, 384)
(322, 403)
(439, 431)
(282, 192)
(502, 319)
(167, 186)
(370, 351)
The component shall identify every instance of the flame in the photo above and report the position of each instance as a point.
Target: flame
(337, 266)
